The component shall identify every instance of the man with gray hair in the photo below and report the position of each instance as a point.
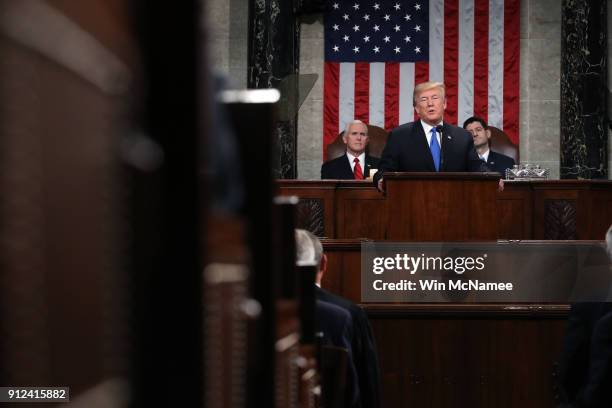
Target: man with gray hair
(363, 345)
(355, 163)
(428, 144)
(332, 321)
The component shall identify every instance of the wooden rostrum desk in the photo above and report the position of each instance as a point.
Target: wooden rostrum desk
(455, 355)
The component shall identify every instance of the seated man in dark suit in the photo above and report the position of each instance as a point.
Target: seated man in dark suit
(585, 372)
(355, 164)
(428, 144)
(334, 322)
(481, 134)
(363, 344)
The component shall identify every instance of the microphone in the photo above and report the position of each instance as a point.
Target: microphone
(439, 129)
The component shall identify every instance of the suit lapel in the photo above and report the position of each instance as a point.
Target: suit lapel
(423, 150)
(346, 168)
(368, 164)
(447, 140)
(491, 160)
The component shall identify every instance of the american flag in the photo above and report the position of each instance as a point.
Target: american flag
(377, 50)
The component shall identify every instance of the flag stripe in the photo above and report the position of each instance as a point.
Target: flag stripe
(421, 74)
(511, 68)
(481, 43)
(391, 93)
(436, 41)
(330, 103)
(406, 89)
(362, 91)
(465, 96)
(377, 94)
(451, 63)
(496, 62)
(347, 93)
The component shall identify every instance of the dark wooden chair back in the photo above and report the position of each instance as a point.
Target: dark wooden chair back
(378, 139)
(501, 143)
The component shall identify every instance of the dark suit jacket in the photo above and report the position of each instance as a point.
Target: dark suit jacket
(586, 361)
(364, 349)
(340, 168)
(407, 150)
(499, 162)
(338, 330)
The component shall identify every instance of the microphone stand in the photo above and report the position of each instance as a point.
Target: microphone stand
(440, 129)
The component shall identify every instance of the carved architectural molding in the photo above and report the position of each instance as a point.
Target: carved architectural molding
(560, 219)
(311, 216)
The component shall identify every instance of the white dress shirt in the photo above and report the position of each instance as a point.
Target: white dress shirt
(361, 158)
(427, 128)
(484, 156)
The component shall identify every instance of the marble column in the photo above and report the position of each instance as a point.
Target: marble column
(273, 61)
(584, 136)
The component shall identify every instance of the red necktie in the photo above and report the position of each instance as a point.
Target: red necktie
(357, 170)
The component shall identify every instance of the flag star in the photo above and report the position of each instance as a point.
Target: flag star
(336, 27)
(356, 28)
(396, 28)
(366, 17)
(346, 17)
(345, 38)
(356, 49)
(417, 28)
(407, 17)
(376, 50)
(366, 38)
(376, 6)
(387, 17)
(417, 6)
(397, 6)
(387, 39)
(376, 27)
(417, 50)
(336, 6)
(356, 6)
(336, 48)
(407, 39)
(396, 49)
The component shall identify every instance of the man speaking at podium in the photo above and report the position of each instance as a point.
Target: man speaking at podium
(428, 144)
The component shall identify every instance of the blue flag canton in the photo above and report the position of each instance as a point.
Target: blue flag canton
(377, 31)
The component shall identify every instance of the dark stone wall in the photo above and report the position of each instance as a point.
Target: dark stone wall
(584, 137)
(273, 62)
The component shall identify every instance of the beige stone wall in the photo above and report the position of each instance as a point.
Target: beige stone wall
(310, 120)
(226, 25)
(540, 83)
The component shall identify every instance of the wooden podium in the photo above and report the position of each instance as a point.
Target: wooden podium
(454, 354)
(441, 206)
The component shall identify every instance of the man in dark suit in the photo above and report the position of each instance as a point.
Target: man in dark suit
(585, 372)
(337, 328)
(482, 135)
(355, 163)
(429, 144)
(363, 345)
(334, 322)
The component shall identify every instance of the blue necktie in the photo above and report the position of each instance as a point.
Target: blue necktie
(435, 148)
